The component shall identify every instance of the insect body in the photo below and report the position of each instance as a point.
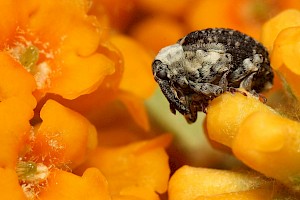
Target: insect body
(206, 63)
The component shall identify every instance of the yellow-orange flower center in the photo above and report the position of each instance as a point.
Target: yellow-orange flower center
(32, 177)
(33, 54)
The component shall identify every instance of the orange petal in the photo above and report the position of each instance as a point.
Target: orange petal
(12, 72)
(64, 136)
(15, 116)
(12, 18)
(269, 144)
(286, 49)
(285, 58)
(190, 183)
(10, 188)
(74, 79)
(16, 108)
(140, 164)
(65, 185)
(270, 30)
(137, 77)
(136, 108)
(91, 105)
(234, 108)
(64, 49)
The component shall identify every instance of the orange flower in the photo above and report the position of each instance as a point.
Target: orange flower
(275, 150)
(257, 135)
(282, 34)
(131, 85)
(63, 137)
(55, 47)
(135, 168)
(69, 55)
(62, 140)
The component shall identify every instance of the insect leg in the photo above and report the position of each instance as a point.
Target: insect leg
(223, 83)
(247, 82)
(247, 85)
(169, 92)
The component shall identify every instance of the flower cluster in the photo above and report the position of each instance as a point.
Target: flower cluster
(74, 76)
(266, 138)
(63, 80)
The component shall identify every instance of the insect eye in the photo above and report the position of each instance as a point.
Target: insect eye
(162, 74)
(156, 63)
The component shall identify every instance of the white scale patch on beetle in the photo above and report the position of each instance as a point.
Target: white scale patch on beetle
(170, 54)
(206, 63)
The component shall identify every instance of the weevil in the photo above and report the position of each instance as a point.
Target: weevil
(206, 63)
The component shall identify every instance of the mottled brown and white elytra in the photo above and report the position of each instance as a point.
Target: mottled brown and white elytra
(206, 63)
